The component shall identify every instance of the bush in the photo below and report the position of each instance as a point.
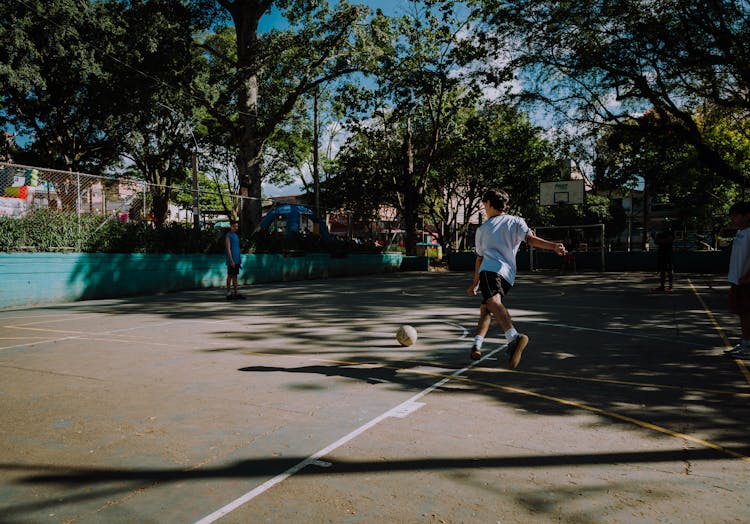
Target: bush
(51, 230)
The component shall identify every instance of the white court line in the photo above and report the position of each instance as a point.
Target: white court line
(463, 329)
(38, 342)
(315, 457)
(97, 335)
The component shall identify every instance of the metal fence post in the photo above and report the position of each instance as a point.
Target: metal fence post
(78, 210)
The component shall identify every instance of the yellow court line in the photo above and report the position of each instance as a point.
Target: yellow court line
(534, 374)
(604, 412)
(625, 418)
(631, 383)
(724, 339)
(531, 373)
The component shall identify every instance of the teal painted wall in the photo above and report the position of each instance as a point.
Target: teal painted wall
(39, 278)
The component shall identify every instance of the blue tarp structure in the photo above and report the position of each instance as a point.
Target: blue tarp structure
(292, 214)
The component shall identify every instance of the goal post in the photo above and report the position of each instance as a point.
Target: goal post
(585, 239)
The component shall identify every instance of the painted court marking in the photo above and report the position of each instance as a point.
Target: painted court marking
(397, 411)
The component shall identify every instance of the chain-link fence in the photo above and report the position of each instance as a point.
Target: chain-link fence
(26, 189)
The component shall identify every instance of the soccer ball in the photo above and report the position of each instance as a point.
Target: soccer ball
(406, 335)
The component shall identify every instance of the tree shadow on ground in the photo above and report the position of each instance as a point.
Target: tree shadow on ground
(89, 483)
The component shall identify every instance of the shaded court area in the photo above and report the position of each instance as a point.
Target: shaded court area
(298, 405)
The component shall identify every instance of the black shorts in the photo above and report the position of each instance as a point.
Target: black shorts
(491, 284)
(233, 271)
(664, 261)
(739, 299)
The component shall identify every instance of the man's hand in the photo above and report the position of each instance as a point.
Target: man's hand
(560, 248)
(472, 291)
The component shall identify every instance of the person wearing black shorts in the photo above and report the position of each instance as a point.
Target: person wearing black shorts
(664, 241)
(497, 242)
(233, 259)
(739, 277)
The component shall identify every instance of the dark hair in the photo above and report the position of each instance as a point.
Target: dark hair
(497, 198)
(232, 222)
(740, 208)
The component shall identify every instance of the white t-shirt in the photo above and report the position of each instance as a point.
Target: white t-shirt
(739, 259)
(497, 241)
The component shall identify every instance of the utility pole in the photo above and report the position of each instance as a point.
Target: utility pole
(316, 172)
(196, 197)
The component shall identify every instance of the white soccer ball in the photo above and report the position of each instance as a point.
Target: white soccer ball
(406, 335)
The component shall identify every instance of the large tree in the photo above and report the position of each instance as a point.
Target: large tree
(497, 147)
(253, 80)
(85, 83)
(54, 90)
(156, 117)
(418, 89)
(610, 61)
(648, 155)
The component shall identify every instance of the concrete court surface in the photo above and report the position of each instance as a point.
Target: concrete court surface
(298, 405)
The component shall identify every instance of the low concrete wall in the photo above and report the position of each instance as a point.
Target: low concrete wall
(38, 278)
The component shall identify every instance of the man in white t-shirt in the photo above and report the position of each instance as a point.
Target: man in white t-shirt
(497, 242)
(739, 276)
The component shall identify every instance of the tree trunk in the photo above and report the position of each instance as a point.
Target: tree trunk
(248, 171)
(160, 204)
(246, 16)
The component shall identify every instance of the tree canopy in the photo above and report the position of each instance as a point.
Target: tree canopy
(608, 62)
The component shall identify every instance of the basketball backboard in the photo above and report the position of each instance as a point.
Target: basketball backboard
(561, 192)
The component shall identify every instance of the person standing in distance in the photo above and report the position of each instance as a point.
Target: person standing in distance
(234, 259)
(664, 241)
(739, 277)
(497, 242)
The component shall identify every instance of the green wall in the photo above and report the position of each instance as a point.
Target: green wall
(38, 278)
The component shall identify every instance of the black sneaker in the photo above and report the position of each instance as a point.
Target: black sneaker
(515, 350)
(230, 296)
(475, 353)
(239, 297)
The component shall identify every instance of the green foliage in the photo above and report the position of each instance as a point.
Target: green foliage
(602, 62)
(413, 106)
(46, 230)
(54, 87)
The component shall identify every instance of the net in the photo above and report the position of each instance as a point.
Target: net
(585, 244)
